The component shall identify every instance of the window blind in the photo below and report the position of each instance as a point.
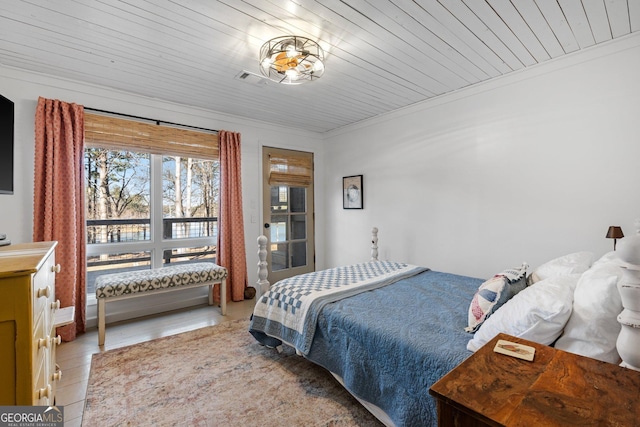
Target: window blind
(291, 170)
(114, 133)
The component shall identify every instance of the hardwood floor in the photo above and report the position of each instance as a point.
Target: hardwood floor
(74, 357)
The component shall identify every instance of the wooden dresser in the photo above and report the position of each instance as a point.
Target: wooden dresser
(28, 372)
(555, 389)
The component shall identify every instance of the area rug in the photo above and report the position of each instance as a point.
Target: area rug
(215, 376)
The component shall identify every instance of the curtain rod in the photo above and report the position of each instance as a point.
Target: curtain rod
(148, 119)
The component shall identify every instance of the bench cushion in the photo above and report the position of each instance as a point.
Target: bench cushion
(131, 282)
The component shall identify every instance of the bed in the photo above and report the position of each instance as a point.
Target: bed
(389, 340)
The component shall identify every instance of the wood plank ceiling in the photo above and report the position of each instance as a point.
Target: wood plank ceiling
(381, 55)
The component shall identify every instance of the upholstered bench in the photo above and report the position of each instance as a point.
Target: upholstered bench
(130, 284)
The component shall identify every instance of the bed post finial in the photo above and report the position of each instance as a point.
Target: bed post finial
(263, 283)
(374, 244)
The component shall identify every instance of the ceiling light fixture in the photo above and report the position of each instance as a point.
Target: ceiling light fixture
(291, 60)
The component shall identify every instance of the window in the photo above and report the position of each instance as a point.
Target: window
(152, 195)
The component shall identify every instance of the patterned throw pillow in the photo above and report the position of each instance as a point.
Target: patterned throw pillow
(494, 293)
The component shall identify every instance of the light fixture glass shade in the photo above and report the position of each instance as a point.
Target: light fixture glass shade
(291, 60)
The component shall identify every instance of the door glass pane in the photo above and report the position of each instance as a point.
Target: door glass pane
(279, 256)
(278, 228)
(279, 199)
(298, 227)
(299, 254)
(298, 199)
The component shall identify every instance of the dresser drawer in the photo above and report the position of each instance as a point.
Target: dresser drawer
(44, 292)
(43, 347)
(41, 343)
(55, 373)
(46, 374)
(43, 390)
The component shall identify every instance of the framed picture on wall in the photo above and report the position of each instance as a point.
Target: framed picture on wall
(352, 194)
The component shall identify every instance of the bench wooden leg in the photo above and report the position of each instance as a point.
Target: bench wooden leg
(223, 297)
(101, 321)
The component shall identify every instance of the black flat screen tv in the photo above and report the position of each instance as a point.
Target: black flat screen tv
(6, 145)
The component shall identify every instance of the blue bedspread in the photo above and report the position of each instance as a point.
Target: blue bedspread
(391, 344)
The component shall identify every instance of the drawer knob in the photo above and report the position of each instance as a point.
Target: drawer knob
(57, 376)
(55, 268)
(44, 392)
(55, 305)
(57, 340)
(44, 292)
(44, 342)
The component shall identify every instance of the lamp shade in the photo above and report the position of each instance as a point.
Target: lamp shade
(615, 232)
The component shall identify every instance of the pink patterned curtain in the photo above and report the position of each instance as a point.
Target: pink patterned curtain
(231, 249)
(58, 205)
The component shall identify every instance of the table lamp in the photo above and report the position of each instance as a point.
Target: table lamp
(615, 233)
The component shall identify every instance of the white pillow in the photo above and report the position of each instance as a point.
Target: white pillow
(608, 257)
(537, 313)
(593, 328)
(574, 263)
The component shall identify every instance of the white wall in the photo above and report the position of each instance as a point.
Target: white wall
(23, 88)
(523, 168)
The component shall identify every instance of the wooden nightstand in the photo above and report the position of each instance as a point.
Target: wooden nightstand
(556, 389)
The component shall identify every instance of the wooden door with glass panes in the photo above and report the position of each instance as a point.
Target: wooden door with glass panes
(288, 212)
